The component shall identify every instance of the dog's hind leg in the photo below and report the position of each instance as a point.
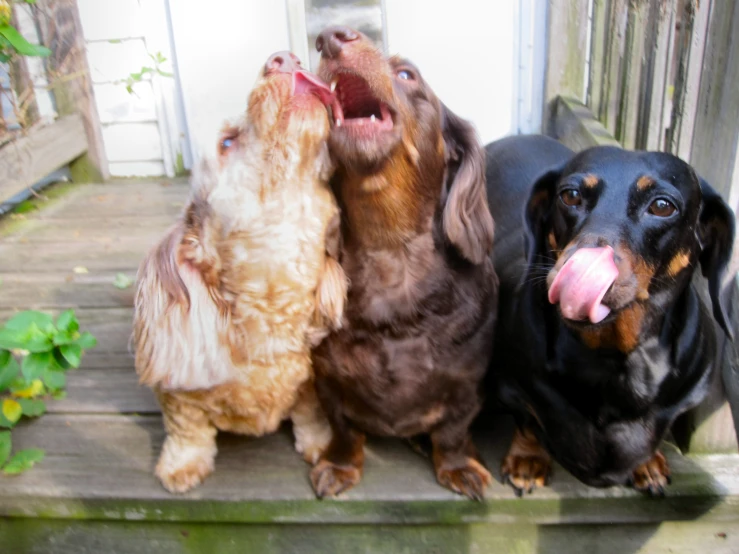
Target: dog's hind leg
(310, 426)
(189, 451)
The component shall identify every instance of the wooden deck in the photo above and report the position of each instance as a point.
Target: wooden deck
(95, 492)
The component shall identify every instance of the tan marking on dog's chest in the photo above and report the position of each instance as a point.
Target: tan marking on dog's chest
(622, 334)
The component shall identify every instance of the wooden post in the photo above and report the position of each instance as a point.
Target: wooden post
(714, 153)
(70, 80)
(567, 54)
(21, 82)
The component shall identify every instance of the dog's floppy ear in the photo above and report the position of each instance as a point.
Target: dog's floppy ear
(537, 215)
(716, 237)
(467, 222)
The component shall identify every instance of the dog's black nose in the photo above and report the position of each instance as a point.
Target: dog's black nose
(331, 40)
(282, 62)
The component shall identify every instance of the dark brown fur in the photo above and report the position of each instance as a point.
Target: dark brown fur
(419, 319)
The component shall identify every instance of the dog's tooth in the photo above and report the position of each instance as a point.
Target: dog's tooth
(333, 84)
(372, 118)
(338, 123)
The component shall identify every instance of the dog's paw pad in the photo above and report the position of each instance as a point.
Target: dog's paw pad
(330, 480)
(470, 480)
(653, 476)
(525, 473)
(183, 478)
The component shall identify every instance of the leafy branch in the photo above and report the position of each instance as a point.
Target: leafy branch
(147, 72)
(11, 41)
(35, 353)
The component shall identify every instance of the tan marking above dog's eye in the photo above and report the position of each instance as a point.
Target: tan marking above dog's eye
(644, 182)
(570, 197)
(590, 180)
(662, 207)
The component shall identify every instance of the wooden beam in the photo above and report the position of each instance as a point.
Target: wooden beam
(575, 126)
(69, 77)
(567, 54)
(20, 80)
(30, 158)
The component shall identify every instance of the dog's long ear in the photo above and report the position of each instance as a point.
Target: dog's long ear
(537, 215)
(716, 237)
(467, 222)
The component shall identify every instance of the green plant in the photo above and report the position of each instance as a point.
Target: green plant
(11, 41)
(147, 71)
(35, 353)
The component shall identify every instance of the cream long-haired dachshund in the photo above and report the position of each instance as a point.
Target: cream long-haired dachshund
(231, 300)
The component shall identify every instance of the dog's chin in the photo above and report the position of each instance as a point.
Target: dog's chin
(360, 150)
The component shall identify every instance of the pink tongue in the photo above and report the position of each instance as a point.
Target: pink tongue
(583, 282)
(307, 83)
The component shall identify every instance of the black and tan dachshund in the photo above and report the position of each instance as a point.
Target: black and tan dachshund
(603, 340)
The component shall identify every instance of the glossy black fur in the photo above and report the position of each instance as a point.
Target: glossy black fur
(601, 412)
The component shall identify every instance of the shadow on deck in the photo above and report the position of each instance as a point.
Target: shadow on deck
(95, 492)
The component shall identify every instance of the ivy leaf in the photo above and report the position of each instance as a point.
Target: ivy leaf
(23, 460)
(72, 353)
(32, 408)
(36, 388)
(10, 339)
(67, 322)
(34, 365)
(8, 372)
(24, 321)
(54, 379)
(5, 446)
(86, 341)
(21, 45)
(122, 281)
(12, 410)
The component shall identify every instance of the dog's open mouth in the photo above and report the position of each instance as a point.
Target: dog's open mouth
(357, 107)
(307, 83)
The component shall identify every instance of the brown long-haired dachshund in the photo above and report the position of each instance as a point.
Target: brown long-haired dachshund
(416, 237)
(231, 300)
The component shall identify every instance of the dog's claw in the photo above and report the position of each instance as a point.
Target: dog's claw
(331, 480)
(470, 480)
(525, 473)
(652, 477)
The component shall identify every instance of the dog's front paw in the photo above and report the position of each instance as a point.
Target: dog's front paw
(329, 479)
(470, 479)
(525, 473)
(181, 469)
(653, 476)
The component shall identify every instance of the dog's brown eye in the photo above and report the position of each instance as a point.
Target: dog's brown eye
(662, 208)
(570, 197)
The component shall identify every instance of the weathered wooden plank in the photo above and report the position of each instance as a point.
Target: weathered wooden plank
(631, 95)
(100, 467)
(30, 536)
(69, 75)
(567, 51)
(576, 127)
(615, 30)
(25, 97)
(598, 48)
(42, 291)
(105, 391)
(28, 159)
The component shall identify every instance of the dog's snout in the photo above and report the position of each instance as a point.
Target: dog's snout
(330, 42)
(282, 62)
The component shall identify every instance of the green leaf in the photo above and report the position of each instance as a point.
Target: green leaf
(86, 341)
(4, 357)
(34, 365)
(12, 410)
(23, 460)
(22, 390)
(8, 372)
(122, 281)
(61, 362)
(24, 321)
(30, 1)
(59, 394)
(25, 207)
(54, 379)
(10, 339)
(32, 408)
(5, 446)
(67, 322)
(72, 353)
(21, 45)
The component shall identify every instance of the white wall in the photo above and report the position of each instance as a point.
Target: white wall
(221, 46)
(465, 51)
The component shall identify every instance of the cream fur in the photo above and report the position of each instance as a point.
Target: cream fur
(230, 301)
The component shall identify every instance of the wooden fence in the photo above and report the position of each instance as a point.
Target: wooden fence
(657, 75)
(31, 147)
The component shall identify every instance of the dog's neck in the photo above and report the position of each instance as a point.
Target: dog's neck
(387, 207)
